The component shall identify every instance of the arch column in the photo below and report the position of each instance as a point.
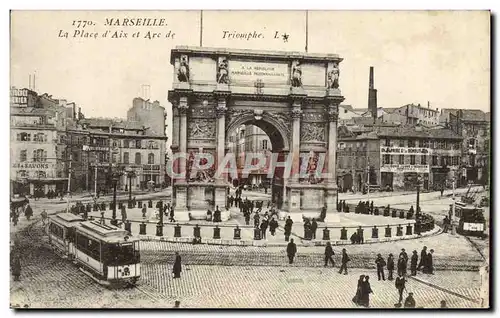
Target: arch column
(221, 186)
(181, 187)
(331, 182)
(292, 202)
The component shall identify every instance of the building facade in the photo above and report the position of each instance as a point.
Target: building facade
(151, 114)
(416, 114)
(394, 156)
(100, 146)
(37, 129)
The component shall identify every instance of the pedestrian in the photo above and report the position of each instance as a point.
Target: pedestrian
(172, 215)
(44, 216)
(288, 228)
(344, 261)
(359, 288)
(263, 229)
(177, 268)
(423, 256)
(410, 301)
(273, 225)
(446, 222)
(390, 266)
(28, 212)
(247, 218)
(144, 210)
(256, 220)
(401, 266)
(413, 263)
(16, 268)
(400, 286)
(428, 264)
(366, 290)
(291, 250)
(313, 228)
(380, 266)
(328, 254)
(404, 265)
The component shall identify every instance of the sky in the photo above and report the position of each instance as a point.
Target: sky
(441, 57)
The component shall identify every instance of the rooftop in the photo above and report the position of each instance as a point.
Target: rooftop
(112, 122)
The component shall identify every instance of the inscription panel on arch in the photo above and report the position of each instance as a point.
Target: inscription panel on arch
(249, 71)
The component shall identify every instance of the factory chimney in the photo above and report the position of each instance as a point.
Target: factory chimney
(372, 96)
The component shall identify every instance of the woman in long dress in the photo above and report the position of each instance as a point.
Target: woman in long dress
(366, 290)
(177, 269)
(357, 297)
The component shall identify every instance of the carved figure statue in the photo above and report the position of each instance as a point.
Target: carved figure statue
(333, 76)
(296, 74)
(183, 73)
(312, 132)
(223, 75)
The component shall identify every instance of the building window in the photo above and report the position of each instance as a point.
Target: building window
(425, 143)
(137, 158)
(401, 143)
(23, 137)
(412, 159)
(387, 142)
(22, 174)
(472, 160)
(39, 155)
(152, 145)
(126, 156)
(138, 144)
(41, 174)
(126, 143)
(151, 158)
(411, 143)
(387, 159)
(40, 137)
(264, 144)
(423, 159)
(472, 143)
(401, 159)
(23, 156)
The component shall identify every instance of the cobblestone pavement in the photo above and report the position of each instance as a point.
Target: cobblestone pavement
(48, 281)
(267, 287)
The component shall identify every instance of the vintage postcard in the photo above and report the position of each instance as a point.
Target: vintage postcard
(250, 159)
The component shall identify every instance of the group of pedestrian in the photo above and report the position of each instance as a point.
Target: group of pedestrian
(363, 291)
(310, 229)
(365, 207)
(425, 263)
(16, 212)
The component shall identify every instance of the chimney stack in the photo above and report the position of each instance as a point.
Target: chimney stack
(372, 95)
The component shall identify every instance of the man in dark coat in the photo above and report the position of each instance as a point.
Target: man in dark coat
(288, 228)
(328, 254)
(28, 212)
(401, 265)
(390, 266)
(413, 263)
(366, 290)
(177, 268)
(247, 218)
(314, 227)
(263, 228)
(273, 225)
(344, 261)
(307, 229)
(405, 257)
(16, 268)
(380, 266)
(423, 256)
(400, 286)
(172, 215)
(428, 264)
(291, 250)
(354, 238)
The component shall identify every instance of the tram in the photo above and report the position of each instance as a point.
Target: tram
(105, 252)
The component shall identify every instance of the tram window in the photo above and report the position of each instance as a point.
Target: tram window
(89, 246)
(56, 230)
(121, 255)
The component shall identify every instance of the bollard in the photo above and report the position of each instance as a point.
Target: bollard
(142, 228)
(150, 204)
(376, 212)
(139, 204)
(89, 208)
(394, 213)
(343, 234)
(388, 231)
(387, 212)
(402, 214)
(196, 231)
(103, 207)
(159, 229)
(130, 205)
(237, 233)
(408, 229)
(120, 205)
(85, 215)
(216, 232)
(128, 227)
(399, 231)
(256, 234)
(326, 234)
(375, 232)
(177, 230)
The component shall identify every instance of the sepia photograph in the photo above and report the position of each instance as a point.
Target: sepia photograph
(221, 159)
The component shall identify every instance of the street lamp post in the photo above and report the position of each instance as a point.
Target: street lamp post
(130, 175)
(114, 177)
(417, 215)
(453, 229)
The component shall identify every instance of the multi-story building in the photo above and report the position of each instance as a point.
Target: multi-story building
(474, 127)
(250, 139)
(37, 126)
(394, 156)
(416, 114)
(100, 146)
(150, 113)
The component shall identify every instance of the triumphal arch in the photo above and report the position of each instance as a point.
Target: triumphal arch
(293, 97)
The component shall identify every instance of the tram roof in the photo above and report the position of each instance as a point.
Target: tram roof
(66, 218)
(106, 232)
